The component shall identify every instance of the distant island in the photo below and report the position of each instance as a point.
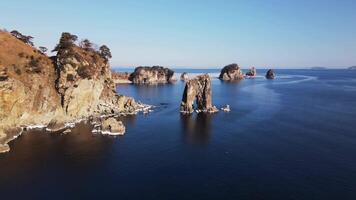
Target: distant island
(353, 67)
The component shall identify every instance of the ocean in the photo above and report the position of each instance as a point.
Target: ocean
(289, 138)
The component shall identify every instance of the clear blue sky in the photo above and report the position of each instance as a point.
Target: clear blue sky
(198, 33)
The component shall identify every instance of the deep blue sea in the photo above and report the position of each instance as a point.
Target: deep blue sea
(289, 138)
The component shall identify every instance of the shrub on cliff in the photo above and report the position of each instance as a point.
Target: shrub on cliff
(43, 49)
(27, 39)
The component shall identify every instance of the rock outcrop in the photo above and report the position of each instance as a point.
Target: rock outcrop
(151, 75)
(38, 90)
(112, 126)
(270, 74)
(120, 77)
(184, 76)
(231, 72)
(252, 72)
(198, 90)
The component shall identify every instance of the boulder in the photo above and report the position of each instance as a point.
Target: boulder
(112, 126)
(270, 74)
(252, 72)
(198, 90)
(184, 76)
(151, 75)
(231, 72)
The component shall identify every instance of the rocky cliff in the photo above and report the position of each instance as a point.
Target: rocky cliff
(36, 89)
(231, 72)
(151, 75)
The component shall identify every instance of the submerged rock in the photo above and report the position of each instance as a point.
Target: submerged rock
(231, 72)
(112, 126)
(184, 76)
(198, 90)
(151, 75)
(252, 72)
(270, 74)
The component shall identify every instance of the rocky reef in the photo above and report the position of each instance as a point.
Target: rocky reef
(38, 90)
(252, 72)
(198, 90)
(231, 72)
(184, 76)
(151, 75)
(270, 74)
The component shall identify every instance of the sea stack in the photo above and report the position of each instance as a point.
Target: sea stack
(184, 76)
(231, 72)
(252, 72)
(198, 90)
(151, 75)
(270, 74)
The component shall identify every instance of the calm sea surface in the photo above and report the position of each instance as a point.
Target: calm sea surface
(289, 138)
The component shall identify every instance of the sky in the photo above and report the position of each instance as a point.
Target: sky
(197, 33)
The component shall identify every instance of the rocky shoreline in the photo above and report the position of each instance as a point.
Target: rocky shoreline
(55, 92)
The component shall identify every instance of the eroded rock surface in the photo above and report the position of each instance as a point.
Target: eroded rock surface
(252, 72)
(151, 75)
(112, 126)
(231, 72)
(198, 90)
(270, 74)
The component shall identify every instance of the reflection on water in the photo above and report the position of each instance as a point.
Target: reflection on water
(196, 128)
(39, 150)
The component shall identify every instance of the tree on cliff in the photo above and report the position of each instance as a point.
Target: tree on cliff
(86, 45)
(43, 49)
(67, 40)
(27, 39)
(105, 52)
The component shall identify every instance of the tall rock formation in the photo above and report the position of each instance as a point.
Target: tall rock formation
(198, 90)
(231, 72)
(151, 75)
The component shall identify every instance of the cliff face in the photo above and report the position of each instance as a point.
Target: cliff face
(151, 75)
(35, 89)
(27, 88)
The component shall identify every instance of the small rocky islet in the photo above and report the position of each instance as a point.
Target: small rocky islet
(78, 84)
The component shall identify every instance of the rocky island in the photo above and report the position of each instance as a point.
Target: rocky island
(151, 75)
(270, 74)
(231, 72)
(54, 92)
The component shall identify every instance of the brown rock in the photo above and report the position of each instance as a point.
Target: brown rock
(199, 90)
(112, 126)
(231, 72)
(151, 75)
